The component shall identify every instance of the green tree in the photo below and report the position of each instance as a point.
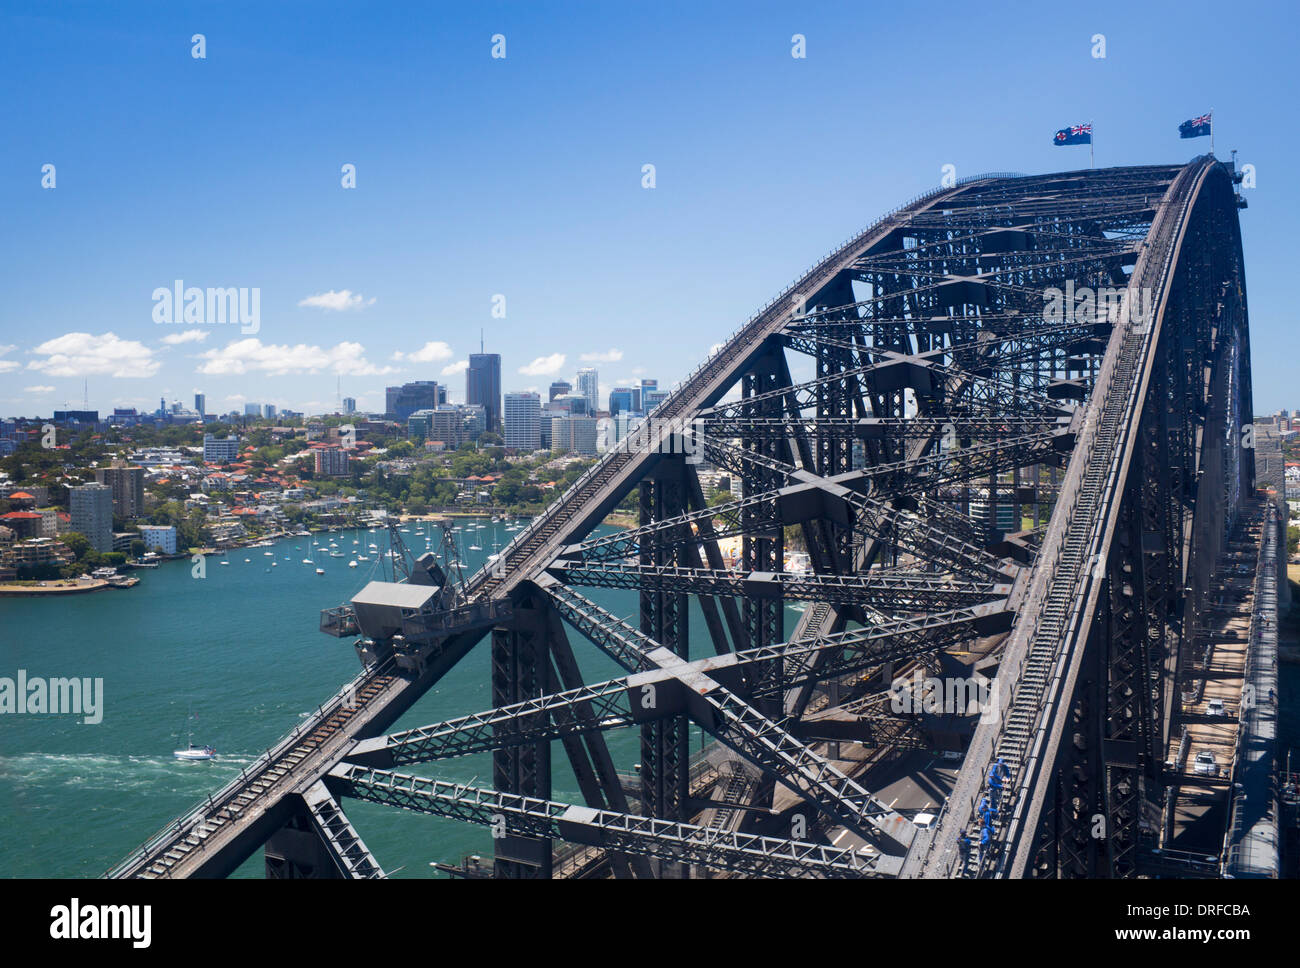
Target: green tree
(77, 543)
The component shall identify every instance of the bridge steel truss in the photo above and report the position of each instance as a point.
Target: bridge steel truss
(989, 420)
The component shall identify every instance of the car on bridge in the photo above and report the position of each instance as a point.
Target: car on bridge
(1216, 707)
(1205, 764)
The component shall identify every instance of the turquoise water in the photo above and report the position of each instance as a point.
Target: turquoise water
(242, 646)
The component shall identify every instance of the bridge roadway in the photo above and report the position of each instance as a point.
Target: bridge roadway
(218, 835)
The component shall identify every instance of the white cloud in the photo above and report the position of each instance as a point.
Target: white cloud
(38, 389)
(544, 365)
(431, 352)
(451, 369)
(83, 354)
(609, 356)
(253, 356)
(186, 336)
(339, 301)
(7, 365)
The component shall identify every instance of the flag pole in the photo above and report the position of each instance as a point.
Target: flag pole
(1211, 130)
(1092, 137)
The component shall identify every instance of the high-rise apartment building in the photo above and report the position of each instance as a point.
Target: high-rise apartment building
(523, 415)
(127, 485)
(92, 514)
(331, 461)
(573, 435)
(219, 451)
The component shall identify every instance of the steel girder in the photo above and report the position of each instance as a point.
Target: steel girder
(668, 841)
(1086, 742)
(944, 399)
(901, 590)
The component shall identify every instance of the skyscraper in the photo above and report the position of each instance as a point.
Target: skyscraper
(622, 399)
(483, 386)
(523, 413)
(589, 387)
(349, 404)
(559, 388)
(201, 404)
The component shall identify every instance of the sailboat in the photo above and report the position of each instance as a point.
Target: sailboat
(192, 752)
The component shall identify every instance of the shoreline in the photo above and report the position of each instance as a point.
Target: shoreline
(59, 587)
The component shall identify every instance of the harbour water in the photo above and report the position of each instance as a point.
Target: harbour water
(242, 647)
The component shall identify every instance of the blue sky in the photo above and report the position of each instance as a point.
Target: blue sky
(522, 176)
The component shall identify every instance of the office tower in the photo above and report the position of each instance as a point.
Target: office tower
(451, 424)
(559, 388)
(405, 400)
(589, 387)
(201, 404)
(570, 403)
(127, 485)
(621, 399)
(76, 416)
(523, 416)
(252, 410)
(92, 514)
(268, 411)
(349, 404)
(483, 386)
(651, 399)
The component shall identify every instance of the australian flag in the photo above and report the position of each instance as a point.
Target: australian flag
(1195, 127)
(1077, 134)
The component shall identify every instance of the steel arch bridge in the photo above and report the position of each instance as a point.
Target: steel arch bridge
(1015, 463)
